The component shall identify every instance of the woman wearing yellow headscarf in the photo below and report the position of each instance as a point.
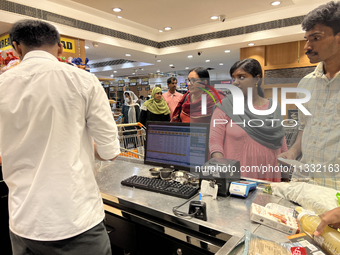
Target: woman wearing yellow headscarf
(155, 109)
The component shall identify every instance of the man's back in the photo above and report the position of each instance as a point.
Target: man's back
(48, 114)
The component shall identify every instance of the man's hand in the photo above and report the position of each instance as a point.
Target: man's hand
(290, 154)
(331, 217)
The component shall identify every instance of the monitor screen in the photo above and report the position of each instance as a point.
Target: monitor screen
(181, 146)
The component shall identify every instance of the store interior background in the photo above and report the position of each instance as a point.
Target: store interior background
(159, 55)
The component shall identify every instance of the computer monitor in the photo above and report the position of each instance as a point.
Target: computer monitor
(177, 145)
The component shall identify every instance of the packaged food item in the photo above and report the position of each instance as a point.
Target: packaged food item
(274, 219)
(329, 239)
(310, 245)
(255, 245)
(282, 209)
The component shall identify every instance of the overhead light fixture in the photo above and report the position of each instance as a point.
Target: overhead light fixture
(276, 3)
(127, 55)
(133, 73)
(208, 60)
(87, 47)
(187, 68)
(171, 65)
(190, 56)
(111, 75)
(119, 17)
(158, 60)
(161, 31)
(251, 44)
(117, 9)
(158, 71)
(167, 28)
(221, 64)
(227, 51)
(115, 71)
(95, 44)
(214, 17)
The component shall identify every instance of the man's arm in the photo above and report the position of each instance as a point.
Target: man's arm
(97, 155)
(101, 125)
(295, 150)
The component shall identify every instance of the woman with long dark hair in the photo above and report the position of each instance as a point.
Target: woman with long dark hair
(255, 145)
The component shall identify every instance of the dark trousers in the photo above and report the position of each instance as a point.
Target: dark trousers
(94, 241)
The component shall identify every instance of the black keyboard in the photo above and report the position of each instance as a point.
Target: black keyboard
(157, 185)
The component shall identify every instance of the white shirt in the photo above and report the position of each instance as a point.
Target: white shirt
(48, 113)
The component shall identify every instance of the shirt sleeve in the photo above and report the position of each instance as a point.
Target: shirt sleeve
(217, 131)
(100, 122)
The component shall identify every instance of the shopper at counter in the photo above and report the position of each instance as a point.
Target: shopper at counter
(319, 136)
(49, 116)
(172, 97)
(189, 109)
(130, 112)
(252, 146)
(155, 109)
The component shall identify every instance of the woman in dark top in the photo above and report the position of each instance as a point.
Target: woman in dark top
(155, 109)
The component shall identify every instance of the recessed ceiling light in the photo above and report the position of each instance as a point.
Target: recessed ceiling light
(276, 3)
(214, 17)
(227, 51)
(133, 73)
(87, 47)
(221, 64)
(208, 60)
(158, 71)
(190, 56)
(171, 65)
(117, 9)
(167, 28)
(119, 17)
(115, 71)
(111, 75)
(161, 31)
(251, 44)
(187, 68)
(128, 55)
(158, 60)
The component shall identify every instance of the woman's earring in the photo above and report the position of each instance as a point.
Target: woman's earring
(256, 84)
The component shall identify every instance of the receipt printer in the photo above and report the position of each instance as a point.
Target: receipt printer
(222, 172)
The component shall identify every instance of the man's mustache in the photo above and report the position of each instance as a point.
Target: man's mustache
(310, 52)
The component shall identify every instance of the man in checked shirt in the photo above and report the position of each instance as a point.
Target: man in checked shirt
(319, 136)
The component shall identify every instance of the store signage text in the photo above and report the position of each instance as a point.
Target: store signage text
(68, 45)
(5, 43)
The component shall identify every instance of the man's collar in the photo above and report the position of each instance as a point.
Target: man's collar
(39, 54)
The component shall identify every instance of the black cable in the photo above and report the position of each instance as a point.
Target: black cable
(183, 214)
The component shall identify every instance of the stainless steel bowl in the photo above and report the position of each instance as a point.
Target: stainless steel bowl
(180, 176)
(165, 173)
(155, 171)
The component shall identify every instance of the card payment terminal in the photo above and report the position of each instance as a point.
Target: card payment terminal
(242, 188)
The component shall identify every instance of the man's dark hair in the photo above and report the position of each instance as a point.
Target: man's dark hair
(251, 66)
(34, 33)
(326, 14)
(141, 97)
(171, 79)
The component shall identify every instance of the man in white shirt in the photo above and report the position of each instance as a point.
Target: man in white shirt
(50, 114)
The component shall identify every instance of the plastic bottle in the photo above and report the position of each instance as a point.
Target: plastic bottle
(329, 239)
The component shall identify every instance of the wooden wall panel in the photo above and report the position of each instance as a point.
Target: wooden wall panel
(257, 52)
(284, 53)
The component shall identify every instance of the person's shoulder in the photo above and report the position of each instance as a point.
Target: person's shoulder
(178, 94)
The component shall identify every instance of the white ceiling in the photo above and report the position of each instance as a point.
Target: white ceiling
(187, 18)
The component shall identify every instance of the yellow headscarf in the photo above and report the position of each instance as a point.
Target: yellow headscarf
(157, 106)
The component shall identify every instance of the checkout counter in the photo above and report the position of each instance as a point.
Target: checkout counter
(140, 221)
